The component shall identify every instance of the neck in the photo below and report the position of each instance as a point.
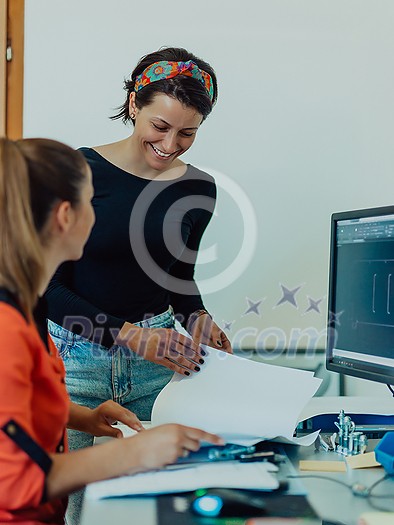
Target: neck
(52, 261)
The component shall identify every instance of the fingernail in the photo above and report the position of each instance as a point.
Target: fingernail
(219, 343)
(187, 373)
(203, 352)
(201, 361)
(197, 368)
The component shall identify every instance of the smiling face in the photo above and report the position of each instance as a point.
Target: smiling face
(164, 130)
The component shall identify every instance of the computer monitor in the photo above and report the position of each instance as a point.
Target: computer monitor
(360, 338)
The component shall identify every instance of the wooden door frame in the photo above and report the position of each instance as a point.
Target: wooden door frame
(12, 29)
(3, 65)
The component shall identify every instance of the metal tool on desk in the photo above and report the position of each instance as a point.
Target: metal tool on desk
(350, 442)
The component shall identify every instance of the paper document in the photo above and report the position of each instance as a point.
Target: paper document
(255, 476)
(243, 401)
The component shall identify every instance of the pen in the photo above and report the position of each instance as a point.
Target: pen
(262, 456)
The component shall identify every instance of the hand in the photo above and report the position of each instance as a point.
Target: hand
(205, 331)
(99, 420)
(164, 444)
(163, 346)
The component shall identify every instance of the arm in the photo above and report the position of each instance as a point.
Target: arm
(184, 305)
(162, 346)
(195, 319)
(23, 465)
(148, 450)
(98, 421)
(30, 474)
(74, 313)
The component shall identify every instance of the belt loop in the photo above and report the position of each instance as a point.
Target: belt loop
(172, 314)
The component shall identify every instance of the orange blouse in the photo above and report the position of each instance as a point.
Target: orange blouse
(34, 408)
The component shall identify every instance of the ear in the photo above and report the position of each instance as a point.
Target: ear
(133, 110)
(63, 216)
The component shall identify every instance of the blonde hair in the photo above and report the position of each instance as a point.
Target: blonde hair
(21, 257)
(35, 174)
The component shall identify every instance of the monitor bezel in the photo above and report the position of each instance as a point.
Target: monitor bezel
(330, 365)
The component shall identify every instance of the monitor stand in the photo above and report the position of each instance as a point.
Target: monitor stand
(374, 416)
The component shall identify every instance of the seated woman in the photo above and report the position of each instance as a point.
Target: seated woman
(46, 218)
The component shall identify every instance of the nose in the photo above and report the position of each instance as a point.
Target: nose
(169, 142)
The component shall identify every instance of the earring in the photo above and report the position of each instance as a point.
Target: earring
(132, 116)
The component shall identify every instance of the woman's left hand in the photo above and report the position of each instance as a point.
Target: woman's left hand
(205, 331)
(99, 421)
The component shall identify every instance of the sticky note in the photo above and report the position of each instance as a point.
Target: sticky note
(362, 460)
(323, 466)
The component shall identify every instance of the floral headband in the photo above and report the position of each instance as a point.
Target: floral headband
(164, 69)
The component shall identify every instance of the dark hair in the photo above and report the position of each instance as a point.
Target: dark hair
(189, 91)
(35, 174)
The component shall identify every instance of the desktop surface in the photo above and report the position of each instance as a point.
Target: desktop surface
(333, 502)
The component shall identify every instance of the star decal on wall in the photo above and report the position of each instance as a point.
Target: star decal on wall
(333, 319)
(227, 326)
(288, 296)
(253, 307)
(313, 305)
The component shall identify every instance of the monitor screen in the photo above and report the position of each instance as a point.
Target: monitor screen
(361, 294)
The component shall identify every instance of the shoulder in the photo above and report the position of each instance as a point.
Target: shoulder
(200, 181)
(12, 321)
(194, 172)
(92, 157)
(103, 172)
(17, 336)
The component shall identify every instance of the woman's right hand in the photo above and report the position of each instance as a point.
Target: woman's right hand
(163, 346)
(164, 444)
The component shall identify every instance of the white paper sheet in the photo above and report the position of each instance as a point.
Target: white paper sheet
(256, 476)
(242, 400)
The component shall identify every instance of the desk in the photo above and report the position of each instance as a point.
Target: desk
(331, 501)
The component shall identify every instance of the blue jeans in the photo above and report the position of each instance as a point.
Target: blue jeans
(96, 373)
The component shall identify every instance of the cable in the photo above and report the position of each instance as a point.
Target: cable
(357, 490)
(370, 495)
(391, 389)
(322, 477)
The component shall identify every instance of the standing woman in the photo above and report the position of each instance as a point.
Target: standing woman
(112, 313)
(45, 219)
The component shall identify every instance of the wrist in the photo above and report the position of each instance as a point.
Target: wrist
(193, 318)
(79, 417)
(128, 336)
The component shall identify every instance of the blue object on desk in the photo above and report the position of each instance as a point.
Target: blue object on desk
(373, 425)
(227, 503)
(384, 452)
(210, 453)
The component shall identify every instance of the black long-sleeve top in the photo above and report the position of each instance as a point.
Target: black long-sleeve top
(129, 264)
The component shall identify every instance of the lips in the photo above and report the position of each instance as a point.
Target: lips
(160, 153)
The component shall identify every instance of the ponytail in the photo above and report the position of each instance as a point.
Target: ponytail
(35, 175)
(21, 255)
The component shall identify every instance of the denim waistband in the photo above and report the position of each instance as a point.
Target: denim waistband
(164, 320)
(158, 320)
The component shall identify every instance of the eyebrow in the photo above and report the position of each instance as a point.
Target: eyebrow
(168, 124)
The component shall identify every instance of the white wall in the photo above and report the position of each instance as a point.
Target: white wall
(304, 126)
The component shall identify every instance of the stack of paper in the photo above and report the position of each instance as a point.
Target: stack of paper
(239, 399)
(242, 400)
(254, 476)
